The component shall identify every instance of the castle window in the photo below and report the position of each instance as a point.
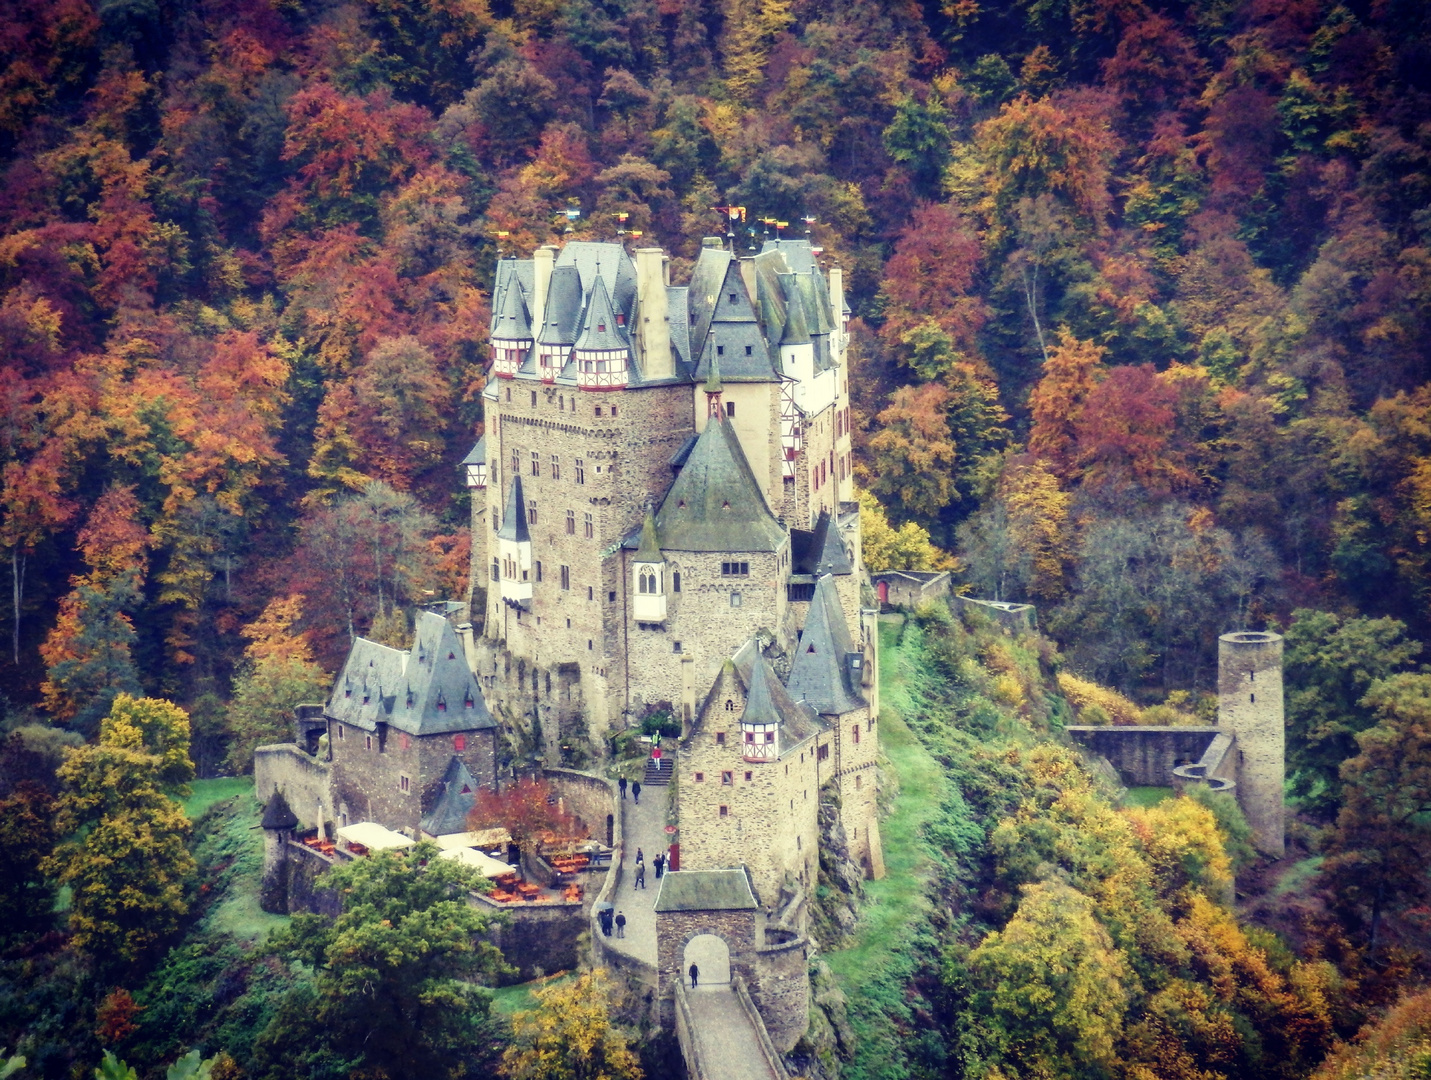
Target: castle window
(571, 522)
(509, 395)
(727, 778)
(534, 399)
(556, 467)
(700, 778)
(580, 471)
(561, 403)
(531, 512)
(404, 784)
(340, 732)
(676, 581)
(467, 701)
(1252, 699)
(798, 844)
(611, 597)
(725, 811)
(720, 738)
(516, 462)
(730, 706)
(823, 753)
(859, 782)
(720, 350)
(566, 581)
(590, 593)
(367, 742)
(620, 319)
(730, 407)
(748, 776)
(588, 527)
(538, 565)
(735, 569)
(459, 743)
(732, 298)
(348, 692)
(675, 646)
(770, 737)
(749, 349)
(441, 705)
(613, 410)
(601, 328)
(598, 410)
(856, 730)
(588, 644)
(735, 599)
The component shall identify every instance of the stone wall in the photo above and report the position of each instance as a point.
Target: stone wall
(391, 777)
(536, 939)
(675, 929)
(306, 891)
(303, 779)
(1249, 705)
(1146, 756)
(593, 799)
(782, 991)
(1014, 618)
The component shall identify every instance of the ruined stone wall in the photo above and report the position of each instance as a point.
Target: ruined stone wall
(1146, 756)
(390, 777)
(1249, 705)
(304, 780)
(771, 807)
(306, 887)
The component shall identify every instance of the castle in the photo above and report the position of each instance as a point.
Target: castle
(662, 523)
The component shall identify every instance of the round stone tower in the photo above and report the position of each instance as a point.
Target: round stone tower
(278, 823)
(1249, 705)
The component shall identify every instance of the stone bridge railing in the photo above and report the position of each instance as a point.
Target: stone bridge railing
(767, 1048)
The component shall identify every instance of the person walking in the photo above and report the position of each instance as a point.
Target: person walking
(660, 863)
(605, 918)
(695, 974)
(620, 924)
(622, 785)
(640, 877)
(640, 857)
(636, 791)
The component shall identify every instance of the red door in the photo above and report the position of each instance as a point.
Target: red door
(883, 589)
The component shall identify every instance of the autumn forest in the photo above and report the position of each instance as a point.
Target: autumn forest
(1141, 334)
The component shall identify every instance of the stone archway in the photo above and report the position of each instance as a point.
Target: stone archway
(711, 955)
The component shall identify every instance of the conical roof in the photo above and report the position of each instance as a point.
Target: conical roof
(459, 794)
(514, 517)
(715, 503)
(820, 674)
(797, 330)
(511, 322)
(827, 549)
(277, 815)
(563, 310)
(599, 331)
(759, 702)
(650, 550)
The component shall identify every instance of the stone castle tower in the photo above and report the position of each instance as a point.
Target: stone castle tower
(1249, 705)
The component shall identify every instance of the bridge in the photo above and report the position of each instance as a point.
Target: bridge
(710, 918)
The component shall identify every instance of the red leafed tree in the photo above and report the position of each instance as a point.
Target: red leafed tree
(1056, 402)
(1127, 433)
(931, 277)
(529, 810)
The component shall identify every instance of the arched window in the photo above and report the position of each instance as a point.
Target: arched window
(729, 705)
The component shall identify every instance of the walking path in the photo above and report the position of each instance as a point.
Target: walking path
(728, 1045)
(642, 827)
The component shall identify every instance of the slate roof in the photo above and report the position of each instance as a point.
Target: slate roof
(514, 517)
(733, 336)
(707, 277)
(515, 275)
(510, 320)
(820, 674)
(277, 814)
(609, 262)
(706, 890)
(649, 551)
(478, 454)
(599, 329)
(799, 253)
(769, 702)
(715, 503)
(826, 553)
(425, 690)
(562, 317)
(459, 794)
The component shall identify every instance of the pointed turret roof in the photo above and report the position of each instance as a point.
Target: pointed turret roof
(733, 336)
(514, 517)
(827, 550)
(459, 794)
(512, 322)
(821, 675)
(650, 550)
(715, 503)
(759, 706)
(277, 815)
(599, 330)
(478, 454)
(713, 385)
(563, 311)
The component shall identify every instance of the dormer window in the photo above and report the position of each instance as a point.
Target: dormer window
(620, 319)
(441, 704)
(348, 692)
(467, 702)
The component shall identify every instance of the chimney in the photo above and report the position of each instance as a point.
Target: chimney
(542, 260)
(653, 332)
(837, 309)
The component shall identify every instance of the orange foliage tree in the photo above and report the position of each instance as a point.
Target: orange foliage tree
(529, 810)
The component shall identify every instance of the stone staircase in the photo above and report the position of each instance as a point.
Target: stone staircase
(658, 773)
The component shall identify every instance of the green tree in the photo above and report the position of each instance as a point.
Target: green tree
(1380, 851)
(27, 836)
(570, 1036)
(1329, 664)
(126, 860)
(1049, 989)
(918, 137)
(261, 710)
(395, 975)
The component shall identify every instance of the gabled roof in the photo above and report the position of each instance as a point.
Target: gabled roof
(609, 262)
(425, 690)
(827, 554)
(562, 317)
(820, 674)
(733, 335)
(706, 279)
(277, 814)
(715, 503)
(516, 276)
(514, 517)
(799, 254)
(459, 794)
(706, 890)
(599, 330)
(510, 320)
(649, 551)
(767, 701)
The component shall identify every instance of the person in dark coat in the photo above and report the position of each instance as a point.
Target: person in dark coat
(620, 924)
(640, 856)
(605, 917)
(659, 862)
(640, 877)
(636, 791)
(695, 973)
(622, 785)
